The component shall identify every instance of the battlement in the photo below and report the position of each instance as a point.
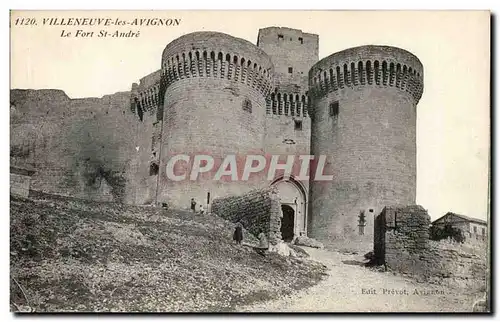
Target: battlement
(277, 34)
(289, 104)
(146, 95)
(217, 55)
(368, 66)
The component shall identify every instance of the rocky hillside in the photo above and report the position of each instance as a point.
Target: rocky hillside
(74, 255)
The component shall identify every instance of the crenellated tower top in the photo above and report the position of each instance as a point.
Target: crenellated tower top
(215, 54)
(368, 66)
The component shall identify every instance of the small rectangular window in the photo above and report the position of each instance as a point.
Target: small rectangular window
(298, 125)
(153, 169)
(334, 109)
(475, 230)
(290, 70)
(301, 40)
(483, 231)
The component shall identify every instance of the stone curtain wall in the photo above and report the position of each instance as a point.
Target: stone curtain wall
(79, 147)
(401, 241)
(256, 210)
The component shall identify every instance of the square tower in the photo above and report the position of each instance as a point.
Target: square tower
(292, 52)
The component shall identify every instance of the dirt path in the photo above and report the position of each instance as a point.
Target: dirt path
(350, 287)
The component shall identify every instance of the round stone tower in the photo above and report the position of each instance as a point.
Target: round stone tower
(364, 120)
(214, 105)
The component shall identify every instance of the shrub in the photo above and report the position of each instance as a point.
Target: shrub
(448, 231)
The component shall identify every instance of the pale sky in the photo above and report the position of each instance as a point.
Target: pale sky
(453, 121)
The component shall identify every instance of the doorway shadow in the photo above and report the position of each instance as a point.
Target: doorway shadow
(287, 223)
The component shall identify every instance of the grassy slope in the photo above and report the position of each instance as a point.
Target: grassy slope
(69, 254)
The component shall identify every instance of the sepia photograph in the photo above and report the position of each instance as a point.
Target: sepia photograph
(250, 161)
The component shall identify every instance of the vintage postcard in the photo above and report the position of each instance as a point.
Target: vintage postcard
(250, 161)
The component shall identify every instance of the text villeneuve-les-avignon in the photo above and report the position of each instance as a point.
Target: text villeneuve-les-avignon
(98, 22)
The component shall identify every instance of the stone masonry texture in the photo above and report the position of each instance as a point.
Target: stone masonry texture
(19, 184)
(219, 95)
(289, 49)
(78, 147)
(401, 241)
(258, 211)
(401, 230)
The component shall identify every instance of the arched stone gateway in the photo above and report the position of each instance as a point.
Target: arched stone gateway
(294, 207)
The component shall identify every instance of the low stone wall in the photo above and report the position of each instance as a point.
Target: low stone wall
(20, 180)
(257, 210)
(455, 263)
(401, 231)
(401, 242)
(19, 184)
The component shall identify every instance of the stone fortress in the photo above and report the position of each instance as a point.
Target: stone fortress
(218, 95)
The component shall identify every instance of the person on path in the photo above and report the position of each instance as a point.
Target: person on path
(238, 233)
(193, 205)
